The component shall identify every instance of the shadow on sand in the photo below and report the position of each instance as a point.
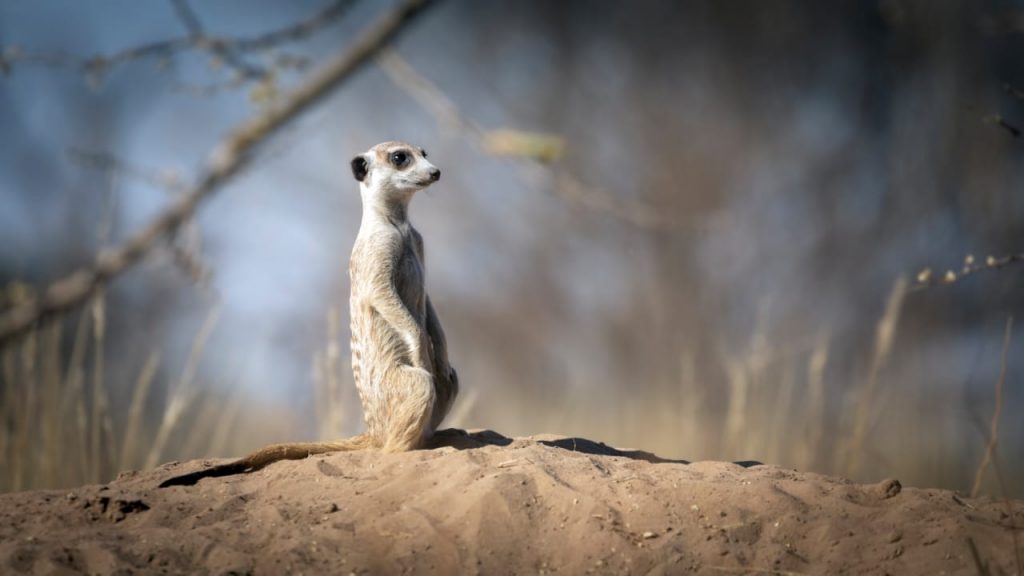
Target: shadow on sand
(466, 440)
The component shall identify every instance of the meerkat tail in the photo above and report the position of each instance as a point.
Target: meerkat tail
(269, 455)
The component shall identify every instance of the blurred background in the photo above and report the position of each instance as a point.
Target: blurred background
(674, 226)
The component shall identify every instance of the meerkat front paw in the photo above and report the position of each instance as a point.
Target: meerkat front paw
(420, 372)
(418, 356)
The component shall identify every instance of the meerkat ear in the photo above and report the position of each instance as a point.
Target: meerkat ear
(359, 167)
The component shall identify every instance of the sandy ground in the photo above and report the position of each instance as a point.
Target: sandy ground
(486, 504)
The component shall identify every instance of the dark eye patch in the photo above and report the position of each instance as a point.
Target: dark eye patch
(423, 152)
(400, 158)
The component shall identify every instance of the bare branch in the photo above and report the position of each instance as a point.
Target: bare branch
(188, 17)
(98, 65)
(993, 432)
(223, 52)
(281, 61)
(1011, 128)
(231, 157)
(186, 243)
(927, 279)
(998, 120)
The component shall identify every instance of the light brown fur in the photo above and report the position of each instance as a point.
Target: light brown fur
(399, 353)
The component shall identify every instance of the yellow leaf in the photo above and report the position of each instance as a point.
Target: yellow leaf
(533, 145)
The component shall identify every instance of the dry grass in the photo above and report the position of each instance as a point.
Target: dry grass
(787, 403)
(779, 406)
(885, 334)
(993, 433)
(58, 429)
(331, 397)
(181, 396)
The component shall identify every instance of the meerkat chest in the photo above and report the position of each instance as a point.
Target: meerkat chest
(388, 259)
(409, 277)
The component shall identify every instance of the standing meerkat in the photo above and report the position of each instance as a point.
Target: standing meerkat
(399, 353)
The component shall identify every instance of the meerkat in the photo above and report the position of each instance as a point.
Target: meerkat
(399, 353)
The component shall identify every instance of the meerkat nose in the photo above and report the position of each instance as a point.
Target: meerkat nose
(435, 174)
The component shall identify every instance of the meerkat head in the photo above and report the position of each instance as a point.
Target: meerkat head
(394, 170)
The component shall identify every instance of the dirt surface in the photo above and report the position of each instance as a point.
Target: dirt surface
(486, 504)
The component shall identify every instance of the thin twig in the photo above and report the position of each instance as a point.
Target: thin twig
(927, 279)
(106, 162)
(1011, 128)
(294, 32)
(188, 17)
(998, 120)
(190, 20)
(99, 64)
(231, 157)
(566, 186)
(207, 90)
(993, 432)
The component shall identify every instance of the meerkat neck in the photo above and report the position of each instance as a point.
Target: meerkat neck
(394, 210)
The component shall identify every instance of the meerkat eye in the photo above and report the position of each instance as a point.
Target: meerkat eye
(423, 152)
(400, 159)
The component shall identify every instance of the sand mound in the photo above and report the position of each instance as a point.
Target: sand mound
(488, 504)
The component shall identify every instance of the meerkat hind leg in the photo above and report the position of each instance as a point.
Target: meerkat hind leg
(446, 388)
(411, 398)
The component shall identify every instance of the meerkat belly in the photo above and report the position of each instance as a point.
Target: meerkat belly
(380, 344)
(409, 283)
(376, 346)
